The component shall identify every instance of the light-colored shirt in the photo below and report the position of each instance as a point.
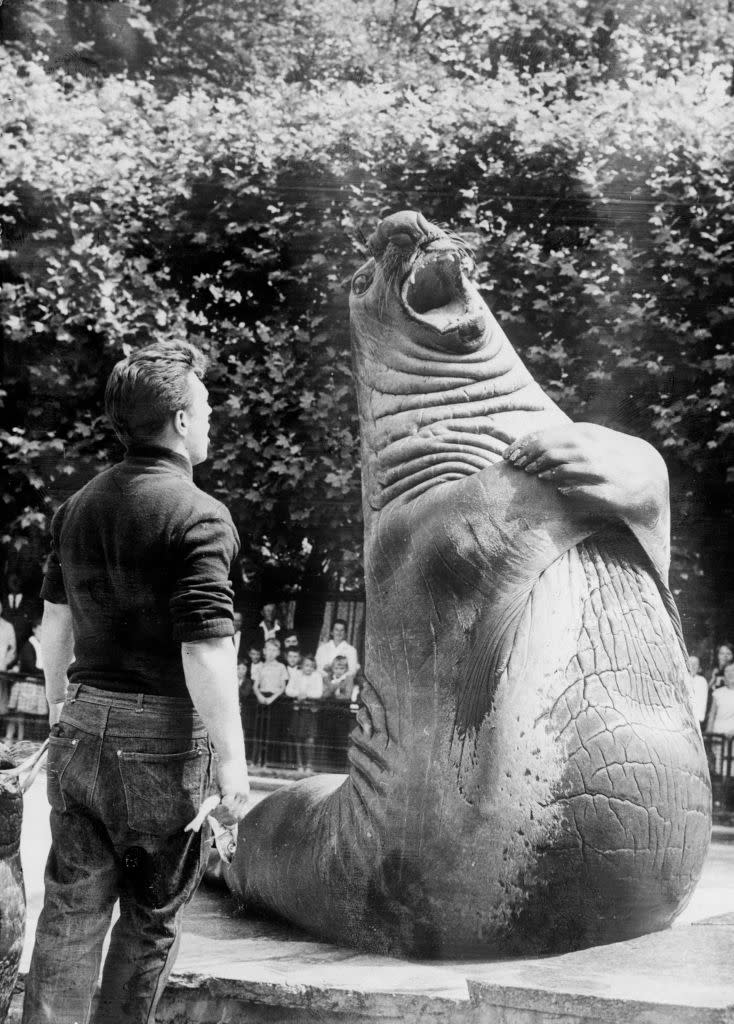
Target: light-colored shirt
(699, 695)
(329, 650)
(256, 671)
(272, 678)
(36, 645)
(305, 687)
(722, 711)
(270, 632)
(7, 644)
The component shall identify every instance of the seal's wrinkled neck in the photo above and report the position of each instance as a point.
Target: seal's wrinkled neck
(441, 390)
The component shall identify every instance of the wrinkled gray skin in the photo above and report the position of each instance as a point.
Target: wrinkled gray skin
(527, 775)
(12, 892)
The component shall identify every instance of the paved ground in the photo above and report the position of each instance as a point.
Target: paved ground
(714, 894)
(231, 967)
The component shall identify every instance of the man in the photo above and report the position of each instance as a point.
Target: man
(137, 592)
(17, 611)
(337, 645)
(269, 626)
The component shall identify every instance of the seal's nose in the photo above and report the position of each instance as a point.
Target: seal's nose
(406, 230)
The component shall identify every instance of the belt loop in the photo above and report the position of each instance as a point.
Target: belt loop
(139, 707)
(71, 691)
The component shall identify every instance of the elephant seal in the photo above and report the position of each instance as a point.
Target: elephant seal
(527, 775)
(14, 780)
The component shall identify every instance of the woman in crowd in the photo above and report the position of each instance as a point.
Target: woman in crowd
(720, 720)
(724, 657)
(699, 690)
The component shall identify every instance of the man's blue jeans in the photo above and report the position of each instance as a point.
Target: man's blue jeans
(125, 775)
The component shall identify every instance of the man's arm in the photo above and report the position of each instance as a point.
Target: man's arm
(57, 646)
(210, 669)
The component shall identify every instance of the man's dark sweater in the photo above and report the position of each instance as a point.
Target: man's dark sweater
(142, 557)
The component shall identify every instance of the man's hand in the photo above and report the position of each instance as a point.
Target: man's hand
(211, 676)
(234, 787)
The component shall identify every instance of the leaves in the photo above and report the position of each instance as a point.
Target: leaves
(222, 197)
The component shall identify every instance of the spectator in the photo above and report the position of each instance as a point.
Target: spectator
(30, 660)
(341, 680)
(337, 645)
(237, 637)
(721, 715)
(269, 626)
(291, 640)
(699, 690)
(248, 672)
(304, 687)
(724, 657)
(269, 688)
(27, 696)
(292, 663)
(18, 611)
(244, 682)
(255, 658)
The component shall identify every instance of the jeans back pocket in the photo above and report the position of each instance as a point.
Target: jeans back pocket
(162, 791)
(61, 749)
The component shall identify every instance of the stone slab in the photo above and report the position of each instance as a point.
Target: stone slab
(234, 968)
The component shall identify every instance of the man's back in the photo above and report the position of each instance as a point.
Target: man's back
(145, 557)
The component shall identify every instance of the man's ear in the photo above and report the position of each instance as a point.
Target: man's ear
(181, 422)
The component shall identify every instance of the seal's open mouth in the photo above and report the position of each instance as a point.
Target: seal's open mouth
(435, 292)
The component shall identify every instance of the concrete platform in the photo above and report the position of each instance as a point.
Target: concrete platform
(232, 968)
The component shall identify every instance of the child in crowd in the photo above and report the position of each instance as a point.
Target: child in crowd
(304, 687)
(269, 685)
(255, 659)
(341, 679)
(244, 681)
(721, 715)
(270, 682)
(248, 673)
(699, 690)
(292, 665)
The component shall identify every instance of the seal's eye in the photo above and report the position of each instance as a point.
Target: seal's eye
(360, 283)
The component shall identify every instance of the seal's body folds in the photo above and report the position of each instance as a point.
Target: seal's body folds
(12, 890)
(528, 775)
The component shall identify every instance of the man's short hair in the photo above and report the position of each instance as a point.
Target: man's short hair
(151, 384)
(339, 622)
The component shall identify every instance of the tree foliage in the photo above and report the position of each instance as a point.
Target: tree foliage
(212, 176)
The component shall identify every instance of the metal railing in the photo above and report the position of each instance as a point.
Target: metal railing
(308, 734)
(35, 726)
(720, 753)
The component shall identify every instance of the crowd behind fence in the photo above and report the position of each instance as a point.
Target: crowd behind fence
(309, 734)
(312, 735)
